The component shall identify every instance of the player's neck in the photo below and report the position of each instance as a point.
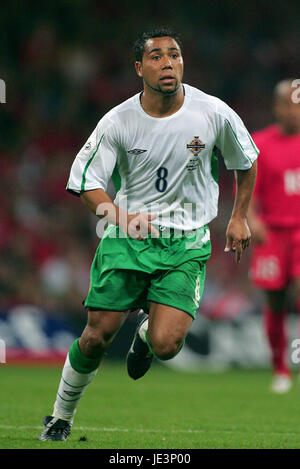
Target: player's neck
(159, 105)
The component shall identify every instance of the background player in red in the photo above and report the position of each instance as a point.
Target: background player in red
(274, 219)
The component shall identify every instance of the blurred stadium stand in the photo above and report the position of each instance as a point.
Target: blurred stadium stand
(65, 64)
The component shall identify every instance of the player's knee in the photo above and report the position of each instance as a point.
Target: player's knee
(166, 349)
(94, 341)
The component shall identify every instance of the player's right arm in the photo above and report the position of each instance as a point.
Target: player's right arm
(136, 225)
(89, 176)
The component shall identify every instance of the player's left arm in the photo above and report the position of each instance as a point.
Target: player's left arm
(240, 154)
(238, 234)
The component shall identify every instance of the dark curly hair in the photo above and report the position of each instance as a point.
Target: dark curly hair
(139, 45)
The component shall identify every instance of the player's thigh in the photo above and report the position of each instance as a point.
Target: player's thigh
(167, 327)
(106, 322)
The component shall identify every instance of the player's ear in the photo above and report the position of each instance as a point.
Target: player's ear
(138, 68)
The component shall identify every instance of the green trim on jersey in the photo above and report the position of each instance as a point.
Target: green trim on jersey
(88, 164)
(116, 178)
(215, 165)
(240, 145)
(253, 144)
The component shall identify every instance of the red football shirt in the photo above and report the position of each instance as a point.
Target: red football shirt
(278, 177)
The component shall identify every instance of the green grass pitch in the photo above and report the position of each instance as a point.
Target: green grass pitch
(163, 410)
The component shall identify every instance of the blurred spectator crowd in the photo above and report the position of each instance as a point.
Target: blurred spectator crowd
(65, 64)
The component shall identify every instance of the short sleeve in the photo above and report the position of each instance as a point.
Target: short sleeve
(259, 182)
(95, 162)
(234, 141)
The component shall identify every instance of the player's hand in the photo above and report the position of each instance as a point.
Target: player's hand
(238, 237)
(139, 226)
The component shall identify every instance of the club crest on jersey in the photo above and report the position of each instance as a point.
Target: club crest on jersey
(195, 146)
(136, 151)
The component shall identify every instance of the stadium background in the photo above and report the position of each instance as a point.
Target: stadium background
(67, 63)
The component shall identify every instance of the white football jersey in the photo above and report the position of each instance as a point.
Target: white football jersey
(167, 165)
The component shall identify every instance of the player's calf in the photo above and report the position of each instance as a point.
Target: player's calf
(144, 346)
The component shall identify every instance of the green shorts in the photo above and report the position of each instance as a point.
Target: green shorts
(127, 274)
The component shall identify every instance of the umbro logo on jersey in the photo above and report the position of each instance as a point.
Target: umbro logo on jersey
(195, 146)
(136, 151)
(88, 146)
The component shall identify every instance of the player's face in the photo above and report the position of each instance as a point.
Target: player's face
(287, 113)
(162, 66)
